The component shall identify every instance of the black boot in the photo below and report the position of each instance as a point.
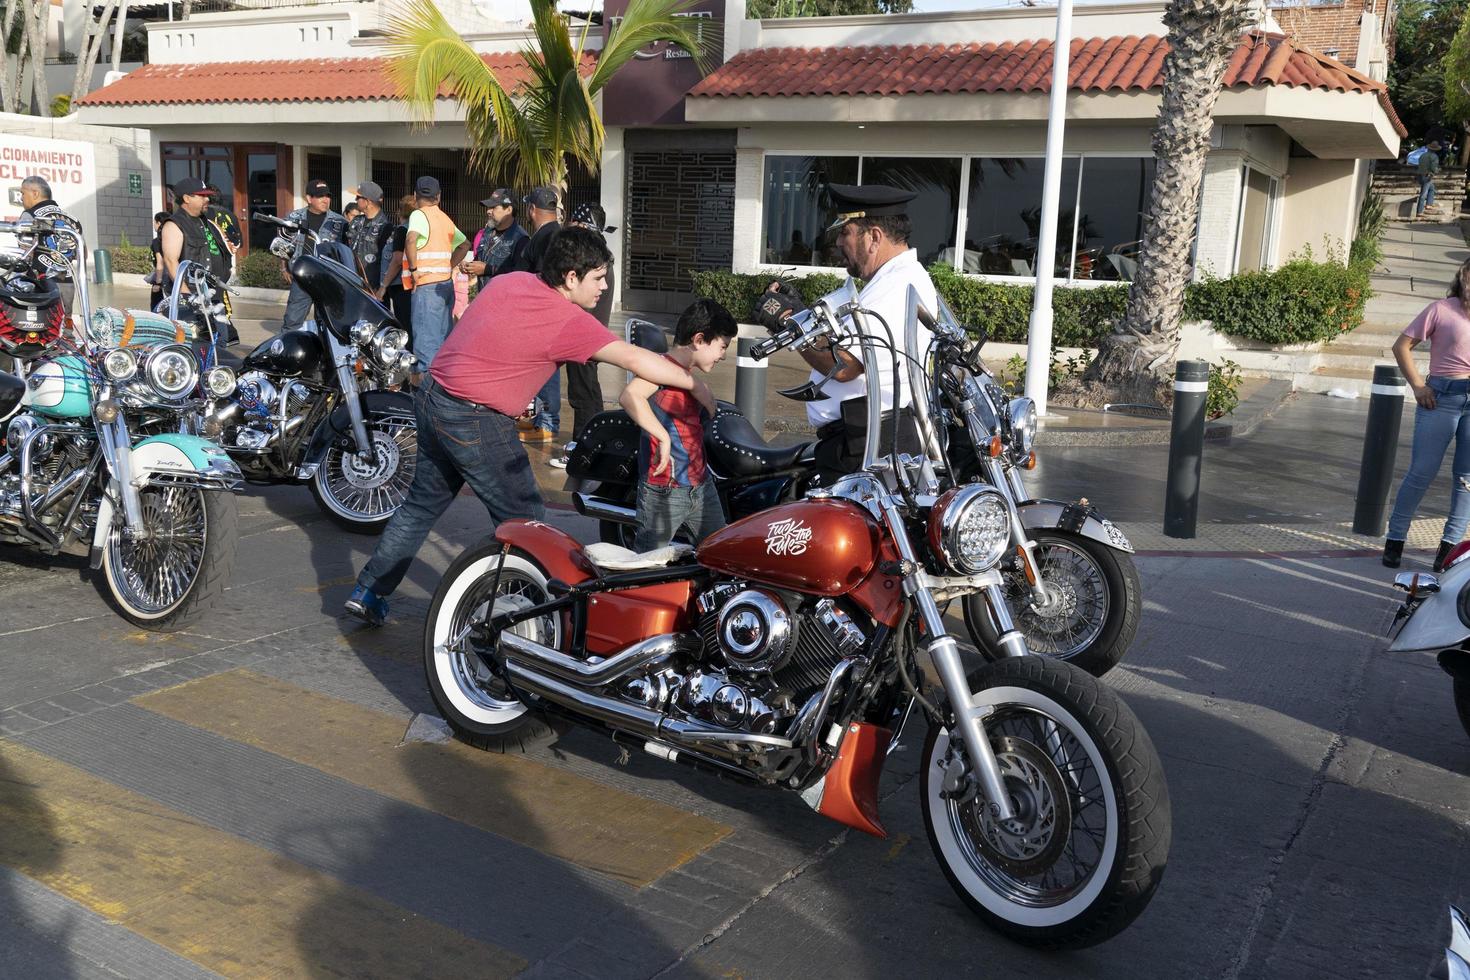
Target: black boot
(1393, 552)
(1444, 552)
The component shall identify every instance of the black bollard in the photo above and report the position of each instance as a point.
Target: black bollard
(750, 384)
(1380, 447)
(1186, 448)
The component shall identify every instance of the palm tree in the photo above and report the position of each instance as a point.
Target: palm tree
(535, 129)
(1202, 35)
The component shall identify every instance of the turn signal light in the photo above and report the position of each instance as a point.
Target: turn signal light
(1026, 565)
(995, 448)
(1030, 463)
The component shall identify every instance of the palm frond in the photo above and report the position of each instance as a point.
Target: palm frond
(425, 53)
(647, 21)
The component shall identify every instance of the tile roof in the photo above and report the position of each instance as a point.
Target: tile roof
(320, 80)
(1113, 64)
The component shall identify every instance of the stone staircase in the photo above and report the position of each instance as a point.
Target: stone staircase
(1398, 185)
(1420, 259)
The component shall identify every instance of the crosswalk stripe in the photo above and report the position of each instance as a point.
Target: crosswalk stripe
(206, 895)
(562, 814)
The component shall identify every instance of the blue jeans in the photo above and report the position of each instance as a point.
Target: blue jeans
(1426, 193)
(665, 511)
(298, 308)
(1433, 430)
(433, 306)
(459, 443)
(548, 408)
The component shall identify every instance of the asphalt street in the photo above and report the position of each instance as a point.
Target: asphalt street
(237, 799)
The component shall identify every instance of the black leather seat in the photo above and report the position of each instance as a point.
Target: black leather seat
(736, 449)
(12, 390)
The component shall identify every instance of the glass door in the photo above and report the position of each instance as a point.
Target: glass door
(259, 194)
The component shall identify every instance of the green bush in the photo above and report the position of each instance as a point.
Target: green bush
(1367, 246)
(136, 260)
(1301, 302)
(1224, 391)
(262, 270)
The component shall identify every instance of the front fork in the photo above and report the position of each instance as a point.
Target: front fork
(344, 358)
(945, 654)
(117, 449)
(1009, 482)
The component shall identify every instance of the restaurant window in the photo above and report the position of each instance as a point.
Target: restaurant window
(1003, 215)
(1257, 221)
(797, 208)
(1115, 193)
(936, 181)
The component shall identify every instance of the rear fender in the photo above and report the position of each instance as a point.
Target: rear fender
(339, 423)
(556, 551)
(1074, 518)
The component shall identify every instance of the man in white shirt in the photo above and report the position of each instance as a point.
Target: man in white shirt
(872, 232)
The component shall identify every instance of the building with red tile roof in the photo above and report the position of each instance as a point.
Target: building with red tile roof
(727, 170)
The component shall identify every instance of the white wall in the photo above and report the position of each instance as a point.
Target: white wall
(1320, 200)
(1219, 214)
(287, 35)
(953, 27)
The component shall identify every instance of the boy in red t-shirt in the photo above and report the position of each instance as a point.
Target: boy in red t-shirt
(674, 493)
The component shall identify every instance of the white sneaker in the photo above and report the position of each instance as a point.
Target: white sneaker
(560, 462)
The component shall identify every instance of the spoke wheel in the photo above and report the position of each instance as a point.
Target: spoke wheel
(1090, 837)
(361, 493)
(166, 573)
(1094, 602)
(476, 702)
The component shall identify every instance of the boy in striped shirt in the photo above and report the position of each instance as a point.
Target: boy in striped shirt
(674, 492)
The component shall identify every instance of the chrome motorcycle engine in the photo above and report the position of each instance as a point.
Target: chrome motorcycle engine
(271, 409)
(766, 654)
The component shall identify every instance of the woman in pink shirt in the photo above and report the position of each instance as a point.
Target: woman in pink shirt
(1443, 414)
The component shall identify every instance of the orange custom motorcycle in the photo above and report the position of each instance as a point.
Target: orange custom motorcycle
(792, 648)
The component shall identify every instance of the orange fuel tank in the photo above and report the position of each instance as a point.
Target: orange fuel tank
(821, 547)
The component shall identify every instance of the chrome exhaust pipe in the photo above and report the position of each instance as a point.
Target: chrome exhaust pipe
(597, 673)
(635, 718)
(603, 510)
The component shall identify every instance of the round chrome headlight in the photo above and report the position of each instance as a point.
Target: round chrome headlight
(388, 344)
(220, 381)
(362, 332)
(1023, 426)
(172, 371)
(970, 528)
(120, 364)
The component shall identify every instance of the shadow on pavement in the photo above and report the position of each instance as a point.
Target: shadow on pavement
(29, 846)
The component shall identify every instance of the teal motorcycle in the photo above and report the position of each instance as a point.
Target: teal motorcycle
(98, 458)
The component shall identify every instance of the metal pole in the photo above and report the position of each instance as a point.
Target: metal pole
(1186, 448)
(750, 384)
(1038, 342)
(1380, 447)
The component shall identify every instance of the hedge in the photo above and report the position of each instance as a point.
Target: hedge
(136, 260)
(260, 268)
(1301, 302)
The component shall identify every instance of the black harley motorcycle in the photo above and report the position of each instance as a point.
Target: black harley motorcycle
(1069, 579)
(320, 404)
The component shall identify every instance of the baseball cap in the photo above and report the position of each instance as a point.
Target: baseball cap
(371, 191)
(543, 198)
(499, 198)
(426, 187)
(192, 185)
(318, 188)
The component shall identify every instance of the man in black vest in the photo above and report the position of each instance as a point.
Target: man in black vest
(188, 236)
